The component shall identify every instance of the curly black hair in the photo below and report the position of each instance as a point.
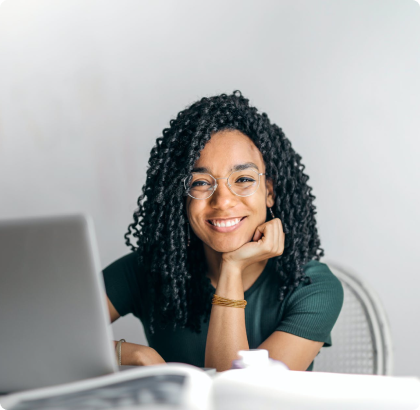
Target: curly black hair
(180, 290)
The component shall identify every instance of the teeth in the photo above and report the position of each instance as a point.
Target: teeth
(222, 224)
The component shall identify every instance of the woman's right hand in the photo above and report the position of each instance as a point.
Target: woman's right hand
(133, 354)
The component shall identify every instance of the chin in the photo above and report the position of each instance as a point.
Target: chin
(226, 249)
(227, 246)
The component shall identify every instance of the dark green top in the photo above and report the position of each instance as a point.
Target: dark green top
(310, 311)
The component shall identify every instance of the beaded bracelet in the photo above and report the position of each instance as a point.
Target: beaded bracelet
(219, 300)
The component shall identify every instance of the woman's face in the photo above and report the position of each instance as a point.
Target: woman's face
(225, 150)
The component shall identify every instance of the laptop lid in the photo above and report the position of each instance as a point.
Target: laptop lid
(54, 322)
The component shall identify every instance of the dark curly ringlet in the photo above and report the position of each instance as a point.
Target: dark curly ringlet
(180, 290)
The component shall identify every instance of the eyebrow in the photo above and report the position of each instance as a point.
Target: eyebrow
(237, 167)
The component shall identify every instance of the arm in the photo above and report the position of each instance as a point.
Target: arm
(113, 314)
(227, 333)
(295, 352)
(131, 353)
(311, 314)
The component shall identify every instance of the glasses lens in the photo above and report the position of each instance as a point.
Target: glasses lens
(244, 182)
(200, 186)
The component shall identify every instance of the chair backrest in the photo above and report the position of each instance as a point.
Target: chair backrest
(361, 338)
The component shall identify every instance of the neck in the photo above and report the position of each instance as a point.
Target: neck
(214, 265)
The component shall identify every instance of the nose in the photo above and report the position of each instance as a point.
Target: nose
(223, 197)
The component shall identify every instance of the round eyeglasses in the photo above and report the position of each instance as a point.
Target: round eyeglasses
(242, 183)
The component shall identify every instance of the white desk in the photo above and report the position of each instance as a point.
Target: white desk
(314, 390)
(246, 390)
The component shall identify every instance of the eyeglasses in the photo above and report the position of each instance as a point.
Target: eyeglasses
(241, 183)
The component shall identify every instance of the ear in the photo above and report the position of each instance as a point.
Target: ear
(269, 192)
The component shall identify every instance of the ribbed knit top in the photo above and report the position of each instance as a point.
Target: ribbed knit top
(309, 311)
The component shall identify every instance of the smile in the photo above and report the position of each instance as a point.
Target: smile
(225, 225)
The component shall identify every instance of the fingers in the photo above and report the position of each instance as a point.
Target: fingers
(281, 239)
(272, 237)
(262, 232)
(257, 235)
(276, 236)
(267, 242)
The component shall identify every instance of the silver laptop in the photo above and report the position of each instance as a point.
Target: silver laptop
(54, 322)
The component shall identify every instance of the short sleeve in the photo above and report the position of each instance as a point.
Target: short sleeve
(312, 309)
(121, 285)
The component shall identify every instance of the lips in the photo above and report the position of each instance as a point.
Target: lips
(211, 223)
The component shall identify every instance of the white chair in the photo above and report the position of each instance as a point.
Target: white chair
(361, 337)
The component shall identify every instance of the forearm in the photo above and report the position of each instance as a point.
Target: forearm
(227, 332)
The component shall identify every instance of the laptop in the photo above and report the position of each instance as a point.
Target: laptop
(54, 321)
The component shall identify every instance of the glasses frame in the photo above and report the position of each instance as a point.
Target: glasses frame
(216, 184)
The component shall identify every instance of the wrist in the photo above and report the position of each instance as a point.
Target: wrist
(147, 356)
(230, 284)
(230, 269)
(142, 356)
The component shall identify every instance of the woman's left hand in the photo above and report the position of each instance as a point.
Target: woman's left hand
(267, 242)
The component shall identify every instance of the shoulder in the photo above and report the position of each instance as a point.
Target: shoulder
(122, 284)
(319, 272)
(125, 271)
(313, 308)
(325, 291)
(127, 263)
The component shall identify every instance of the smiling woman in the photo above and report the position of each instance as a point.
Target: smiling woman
(226, 253)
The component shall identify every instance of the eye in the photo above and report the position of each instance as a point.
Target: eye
(245, 179)
(199, 183)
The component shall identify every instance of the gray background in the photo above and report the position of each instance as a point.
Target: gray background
(87, 86)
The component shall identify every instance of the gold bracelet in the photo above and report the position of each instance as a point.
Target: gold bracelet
(118, 350)
(219, 300)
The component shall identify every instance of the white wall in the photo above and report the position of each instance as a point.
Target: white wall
(86, 86)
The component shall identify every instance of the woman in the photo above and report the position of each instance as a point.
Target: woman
(225, 216)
